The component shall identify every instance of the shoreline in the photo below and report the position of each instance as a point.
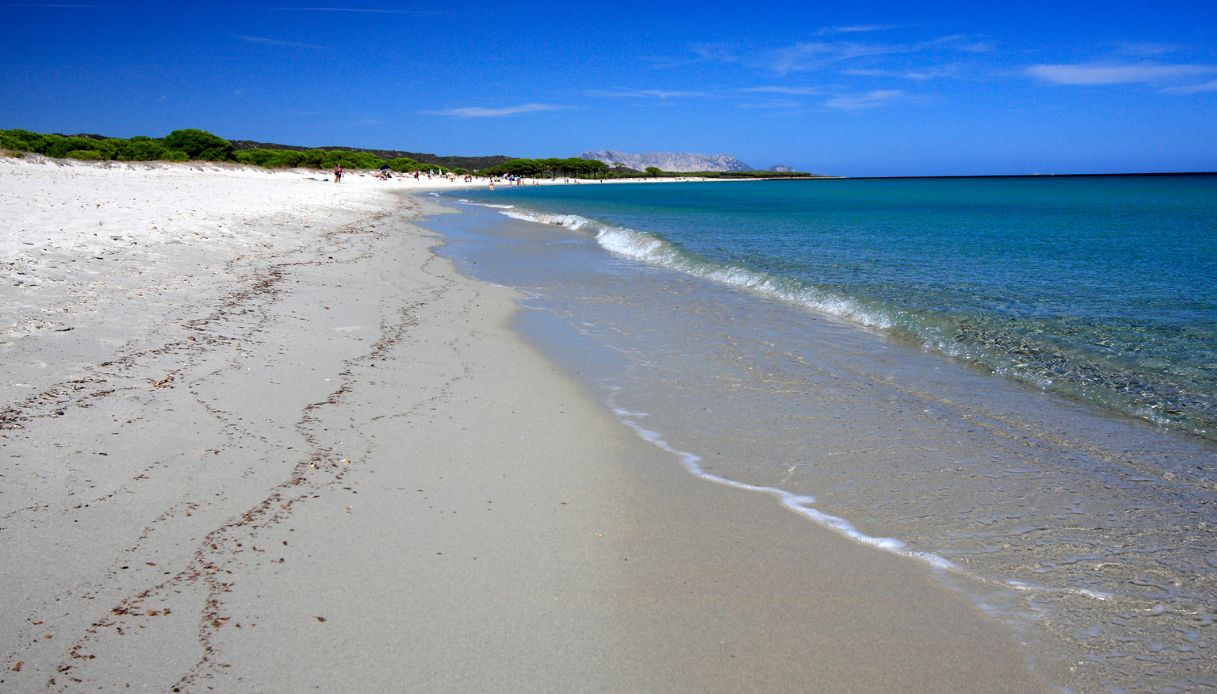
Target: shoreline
(879, 441)
(261, 437)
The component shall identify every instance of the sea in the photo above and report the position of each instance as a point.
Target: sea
(1009, 380)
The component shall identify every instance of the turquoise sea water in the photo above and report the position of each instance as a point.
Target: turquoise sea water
(1099, 288)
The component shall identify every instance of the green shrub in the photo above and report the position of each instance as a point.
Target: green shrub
(404, 164)
(175, 155)
(56, 145)
(12, 143)
(517, 167)
(256, 157)
(29, 141)
(215, 154)
(549, 167)
(60, 146)
(140, 149)
(199, 144)
(284, 159)
(349, 160)
(313, 158)
(84, 155)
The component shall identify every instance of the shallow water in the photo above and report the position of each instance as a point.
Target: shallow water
(1089, 533)
(1101, 288)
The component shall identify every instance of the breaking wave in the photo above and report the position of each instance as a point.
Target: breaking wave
(649, 248)
(1007, 347)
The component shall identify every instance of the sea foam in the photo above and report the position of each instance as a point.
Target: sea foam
(649, 248)
(798, 503)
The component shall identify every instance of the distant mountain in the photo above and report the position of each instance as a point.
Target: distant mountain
(668, 161)
(472, 163)
(782, 168)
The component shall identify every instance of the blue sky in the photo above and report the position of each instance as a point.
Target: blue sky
(882, 88)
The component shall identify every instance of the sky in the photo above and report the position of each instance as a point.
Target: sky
(844, 88)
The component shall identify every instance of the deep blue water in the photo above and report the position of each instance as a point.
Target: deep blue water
(1099, 288)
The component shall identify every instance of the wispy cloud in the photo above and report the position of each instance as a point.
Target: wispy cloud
(776, 105)
(361, 10)
(805, 57)
(265, 41)
(1092, 74)
(856, 29)
(698, 54)
(865, 100)
(482, 112)
(976, 46)
(714, 53)
(781, 89)
(915, 75)
(1193, 88)
(815, 55)
(644, 93)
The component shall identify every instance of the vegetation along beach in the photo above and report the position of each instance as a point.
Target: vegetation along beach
(794, 349)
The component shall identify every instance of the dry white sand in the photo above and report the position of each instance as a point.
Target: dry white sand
(255, 436)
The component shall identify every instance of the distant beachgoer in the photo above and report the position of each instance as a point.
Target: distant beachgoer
(338, 174)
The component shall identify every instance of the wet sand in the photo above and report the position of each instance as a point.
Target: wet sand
(256, 436)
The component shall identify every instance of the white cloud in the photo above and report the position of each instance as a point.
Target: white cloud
(916, 75)
(714, 53)
(804, 57)
(814, 55)
(977, 47)
(481, 112)
(1090, 74)
(779, 89)
(699, 54)
(772, 105)
(856, 29)
(276, 42)
(865, 100)
(643, 93)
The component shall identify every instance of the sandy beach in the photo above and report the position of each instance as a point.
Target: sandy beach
(256, 436)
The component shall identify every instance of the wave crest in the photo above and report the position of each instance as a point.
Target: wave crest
(652, 249)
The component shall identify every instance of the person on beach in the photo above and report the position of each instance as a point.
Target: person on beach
(338, 174)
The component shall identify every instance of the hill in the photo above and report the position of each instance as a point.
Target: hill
(668, 161)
